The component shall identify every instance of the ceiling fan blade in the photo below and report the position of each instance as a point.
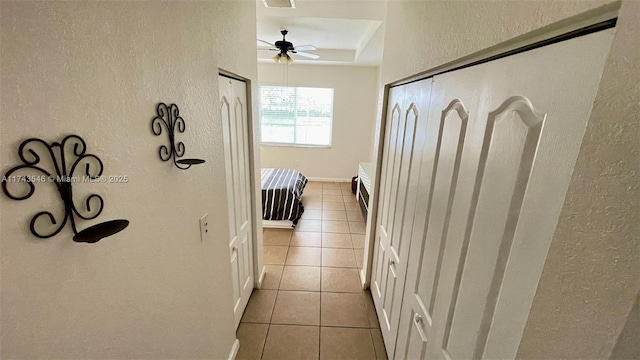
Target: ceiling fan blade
(304, 47)
(311, 56)
(266, 42)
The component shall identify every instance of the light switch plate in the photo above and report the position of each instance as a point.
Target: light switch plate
(204, 227)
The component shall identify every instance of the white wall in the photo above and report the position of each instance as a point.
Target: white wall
(98, 70)
(590, 279)
(354, 113)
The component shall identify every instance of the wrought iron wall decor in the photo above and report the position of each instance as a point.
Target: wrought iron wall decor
(63, 176)
(169, 116)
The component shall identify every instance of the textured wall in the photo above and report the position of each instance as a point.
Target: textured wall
(354, 113)
(98, 70)
(592, 274)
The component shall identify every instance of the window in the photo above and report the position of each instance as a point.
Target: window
(296, 115)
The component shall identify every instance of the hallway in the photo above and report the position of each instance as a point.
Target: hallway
(311, 305)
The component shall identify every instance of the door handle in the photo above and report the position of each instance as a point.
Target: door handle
(417, 321)
(233, 249)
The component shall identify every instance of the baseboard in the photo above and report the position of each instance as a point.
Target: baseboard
(261, 278)
(277, 224)
(234, 350)
(328, 179)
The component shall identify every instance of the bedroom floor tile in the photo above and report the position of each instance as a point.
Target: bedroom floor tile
(313, 185)
(275, 255)
(357, 227)
(335, 227)
(341, 280)
(332, 206)
(346, 343)
(309, 225)
(306, 256)
(272, 275)
(343, 309)
(297, 308)
(276, 237)
(260, 306)
(354, 216)
(334, 215)
(312, 192)
(311, 205)
(331, 185)
(312, 214)
(252, 338)
(338, 258)
(333, 192)
(304, 278)
(292, 342)
(352, 206)
(349, 199)
(358, 241)
(347, 191)
(335, 240)
(306, 239)
(332, 198)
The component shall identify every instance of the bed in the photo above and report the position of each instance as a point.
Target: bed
(282, 197)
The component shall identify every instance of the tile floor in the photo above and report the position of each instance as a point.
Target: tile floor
(311, 305)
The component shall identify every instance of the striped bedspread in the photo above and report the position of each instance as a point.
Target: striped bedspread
(281, 194)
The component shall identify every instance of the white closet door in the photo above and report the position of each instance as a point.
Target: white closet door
(495, 177)
(233, 112)
(404, 140)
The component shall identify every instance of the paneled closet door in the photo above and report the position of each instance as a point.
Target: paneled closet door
(404, 139)
(508, 135)
(233, 112)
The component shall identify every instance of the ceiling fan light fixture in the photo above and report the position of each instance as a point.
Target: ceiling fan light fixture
(276, 58)
(289, 60)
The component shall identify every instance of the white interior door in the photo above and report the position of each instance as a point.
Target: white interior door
(233, 112)
(402, 161)
(502, 139)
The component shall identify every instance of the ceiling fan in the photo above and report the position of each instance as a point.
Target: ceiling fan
(284, 47)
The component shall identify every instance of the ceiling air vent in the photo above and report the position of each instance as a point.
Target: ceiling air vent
(279, 3)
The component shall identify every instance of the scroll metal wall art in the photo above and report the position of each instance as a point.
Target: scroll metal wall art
(58, 163)
(170, 117)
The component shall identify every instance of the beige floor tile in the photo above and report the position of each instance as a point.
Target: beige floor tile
(331, 185)
(357, 227)
(333, 192)
(297, 308)
(272, 276)
(355, 216)
(334, 215)
(252, 338)
(341, 280)
(331, 226)
(338, 258)
(292, 342)
(308, 239)
(312, 192)
(358, 241)
(309, 225)
(332, 198)
(276, 237)
(311, 197)
(349, 199)
(260, 306)
(352, 206)
(359, 254)
(347, 191)
(342, 309)
(313, 185)
(306, 256)
(336, 240)
(312, 205)
(346, 344)
(312, 214)
(332, 206)
(275, 255)
(378, 344)
(300, 278)
(371, 310)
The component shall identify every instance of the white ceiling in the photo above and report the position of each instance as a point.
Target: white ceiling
(344, 32)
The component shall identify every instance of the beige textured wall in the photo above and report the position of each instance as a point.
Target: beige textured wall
(592, 273)
(627, 346)
(98, 70)
(354, 113)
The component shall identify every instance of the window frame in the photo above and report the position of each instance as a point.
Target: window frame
(288, 144)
